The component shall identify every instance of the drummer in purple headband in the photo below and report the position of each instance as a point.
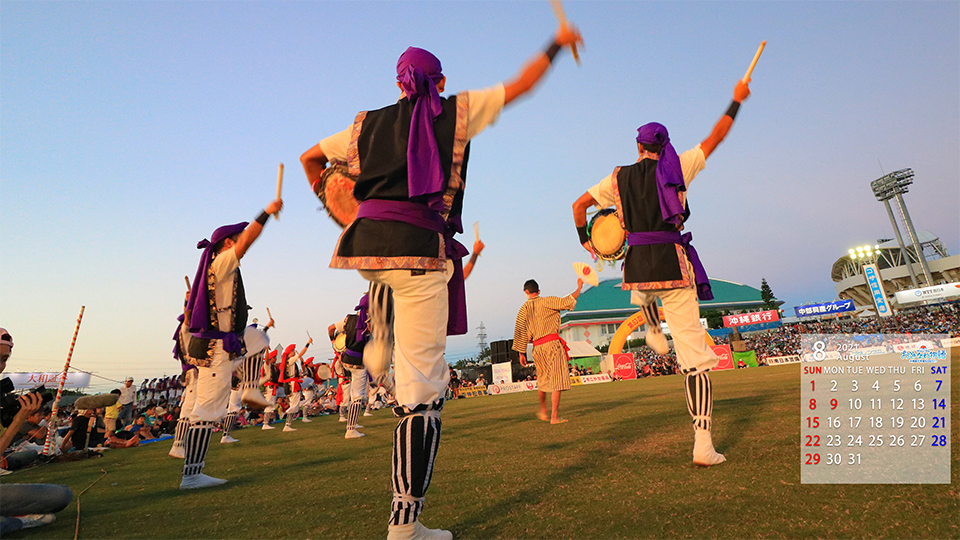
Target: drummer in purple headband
(651, 200)
(410, 161)
(215, 319)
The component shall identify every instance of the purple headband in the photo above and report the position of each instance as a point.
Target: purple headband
(419, 72)
(669, 173)
(198, 305)
(361, 310)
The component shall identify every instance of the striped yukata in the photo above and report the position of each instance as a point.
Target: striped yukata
(537, 318)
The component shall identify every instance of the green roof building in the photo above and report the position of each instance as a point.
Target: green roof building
(600, 310)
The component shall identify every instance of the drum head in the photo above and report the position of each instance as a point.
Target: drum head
(607, 236)
(335, 191)
(340, 342)
(323, 372)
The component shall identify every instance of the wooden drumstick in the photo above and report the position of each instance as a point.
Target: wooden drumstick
(279, 189)
(558, 11)
(187, 279)
(270, 316)
(746, 78)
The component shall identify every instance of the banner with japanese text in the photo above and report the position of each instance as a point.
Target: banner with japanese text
(741, 319)
(828, 308)
(26, 381)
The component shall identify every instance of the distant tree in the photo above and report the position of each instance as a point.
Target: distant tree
(769, 301)
(714, 318)
(486, 355)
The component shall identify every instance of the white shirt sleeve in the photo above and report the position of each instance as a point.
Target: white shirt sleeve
(335, 146)
(485, 107)
(692, 162)
(339, 325)
(603, 192)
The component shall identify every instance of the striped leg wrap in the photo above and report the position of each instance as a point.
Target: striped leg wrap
(415, 444)
(180, 433)
(699, 391)
(250, 376)
(228, 422)
(651, 315)
(353, 413)
(197, 443)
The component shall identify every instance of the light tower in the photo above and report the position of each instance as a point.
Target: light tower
(893, 186)
(482, 336)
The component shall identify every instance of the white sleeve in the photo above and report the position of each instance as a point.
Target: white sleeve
(335, 146)
(485, 107)
(339, 325)
(225, 263)
(603, 192)
(692, 162)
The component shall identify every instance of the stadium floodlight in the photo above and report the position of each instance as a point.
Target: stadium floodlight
(893, 186)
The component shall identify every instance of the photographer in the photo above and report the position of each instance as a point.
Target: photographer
(26, 505)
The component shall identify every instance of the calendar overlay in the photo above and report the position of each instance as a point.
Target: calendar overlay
(875, 409)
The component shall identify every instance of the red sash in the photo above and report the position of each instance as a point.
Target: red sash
(553, 337)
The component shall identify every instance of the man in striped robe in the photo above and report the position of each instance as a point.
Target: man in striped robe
(538, 321)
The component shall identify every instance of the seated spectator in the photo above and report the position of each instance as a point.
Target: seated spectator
(86, 430)
(140, 427)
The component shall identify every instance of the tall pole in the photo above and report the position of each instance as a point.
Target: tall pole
(904, 254)
(913, 237)
(48, 449)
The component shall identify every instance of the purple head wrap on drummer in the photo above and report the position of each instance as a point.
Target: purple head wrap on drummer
(199, 303)
(361, 310)
(669, 173)
(419, 72)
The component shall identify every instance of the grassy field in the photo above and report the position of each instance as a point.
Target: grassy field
(620, 468)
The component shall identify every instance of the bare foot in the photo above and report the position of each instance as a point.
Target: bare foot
(543, 416)
(558, 421)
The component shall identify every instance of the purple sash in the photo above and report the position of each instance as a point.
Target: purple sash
(664, 237)
(423, 217)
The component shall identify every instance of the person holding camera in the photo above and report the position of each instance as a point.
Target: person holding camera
(26, 505)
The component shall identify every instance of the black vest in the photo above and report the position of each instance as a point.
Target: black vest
(641, 212)
(382, 149)
(350, 330)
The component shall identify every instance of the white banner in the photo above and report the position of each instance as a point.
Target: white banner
(27, 381)
(871, 273)
(950, 342)
(928, 293)
(789, 359)
(502, 373)
(511, 388)
(594, 379)
(900, 347)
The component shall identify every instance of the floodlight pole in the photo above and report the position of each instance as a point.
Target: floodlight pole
(904, 254)
(913, 237)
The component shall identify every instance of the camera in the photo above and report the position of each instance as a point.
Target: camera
(10, 403)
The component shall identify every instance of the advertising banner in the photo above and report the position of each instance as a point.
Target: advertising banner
(27, 381)
(594, 379)
(789, 359)
(928, 293)
(511, 388)
(624, 367)
(871, 273)
(473, 391)
(749, 358)
(751, 318)
(828, 308)
(950, 342)
(502, 373)
(725, 355)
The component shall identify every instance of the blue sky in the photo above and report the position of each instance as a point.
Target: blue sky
(130, 130)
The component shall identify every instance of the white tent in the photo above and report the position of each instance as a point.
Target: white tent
(582, 349)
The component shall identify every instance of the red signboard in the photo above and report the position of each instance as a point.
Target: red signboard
(624, 367)
(751, 318)
(725, 355)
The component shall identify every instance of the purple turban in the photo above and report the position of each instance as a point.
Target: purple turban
(419, 72)
(361, 310)
(199, 303)
(669, 173)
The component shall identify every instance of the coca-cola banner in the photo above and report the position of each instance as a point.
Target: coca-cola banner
(742, 319)
(624, 367)
(725, 355)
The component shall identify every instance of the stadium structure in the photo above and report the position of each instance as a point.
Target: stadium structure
(847, 271)
(600, 310)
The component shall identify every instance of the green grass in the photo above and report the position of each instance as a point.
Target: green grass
(621, 468)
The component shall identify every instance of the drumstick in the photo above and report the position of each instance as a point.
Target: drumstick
(746, 78)
(558, 11)
(279, 187)
(270, 316)
(187, 279)
(476, 229)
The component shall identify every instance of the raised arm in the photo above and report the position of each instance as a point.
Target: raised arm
(740, 93)
(535, 68)
(576, 294)
(314, 162)
(252, 231)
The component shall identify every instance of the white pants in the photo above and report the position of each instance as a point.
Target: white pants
(235, 404)
(189, 397)
(420, 333)
(213, 387)
(357, 389)
(293, 402)
(682, 311)
(308, 397)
